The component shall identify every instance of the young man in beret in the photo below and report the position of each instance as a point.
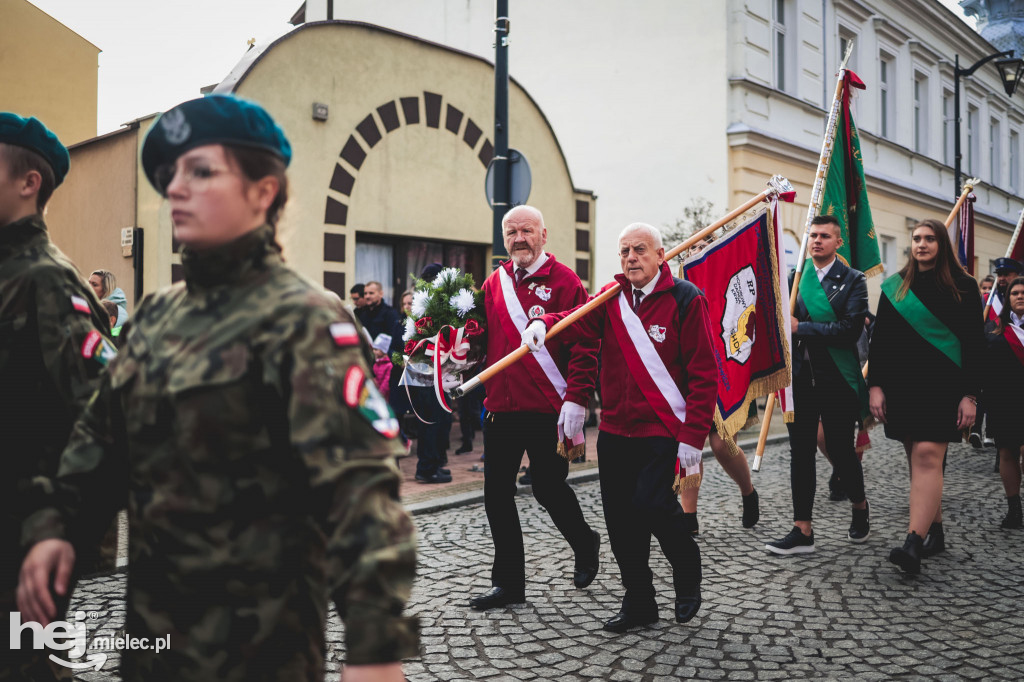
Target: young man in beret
(53, 344)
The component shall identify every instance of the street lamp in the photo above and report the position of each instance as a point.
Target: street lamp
(1010, 72)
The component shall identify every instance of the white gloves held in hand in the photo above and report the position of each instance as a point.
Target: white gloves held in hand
(689, 456)
(533, 336)
(571, 419)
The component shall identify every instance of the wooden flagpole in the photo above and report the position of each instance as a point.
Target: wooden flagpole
(1009, 252)
(812, 210)
(776, 185)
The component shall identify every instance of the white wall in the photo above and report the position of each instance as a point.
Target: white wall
(635, 92)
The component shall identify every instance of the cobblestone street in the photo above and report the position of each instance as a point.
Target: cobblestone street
(843, 612)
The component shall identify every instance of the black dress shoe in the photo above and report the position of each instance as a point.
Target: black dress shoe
(495, 597)
(467, 446)
(435, 478)
(687, 607)
(623, 621)
(586, 571)
(443, 470)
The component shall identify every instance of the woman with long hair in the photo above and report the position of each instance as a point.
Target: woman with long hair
(1003, 381)
(241, 427)
(925, 364)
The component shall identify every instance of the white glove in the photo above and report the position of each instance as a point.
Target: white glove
(689, 456)
(571, 418)
(533, 335)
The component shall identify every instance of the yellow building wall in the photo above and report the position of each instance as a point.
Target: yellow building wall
(894, 214)
(86, 213)
(416, 181)
(47, 71)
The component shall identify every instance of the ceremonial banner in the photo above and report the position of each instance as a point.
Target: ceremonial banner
(845, 195)
(964, 234)
(739, 275)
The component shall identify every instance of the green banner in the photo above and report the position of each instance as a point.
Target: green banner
(846, 359)
(923, 320)
(845, 197)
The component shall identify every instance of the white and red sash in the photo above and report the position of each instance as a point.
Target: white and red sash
(647, 367)
(1015, 337)
(541, 366)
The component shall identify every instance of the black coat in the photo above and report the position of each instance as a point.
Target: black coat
(922, 386)
(847, 291)
(1002, 390)
(380, 319)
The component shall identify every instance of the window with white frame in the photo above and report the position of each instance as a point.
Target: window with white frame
(885, 92)
(920, 113)
(972, 139)
(887, 245)
(948, 126)
(783, 44)
(1014, 157)
(994, 157)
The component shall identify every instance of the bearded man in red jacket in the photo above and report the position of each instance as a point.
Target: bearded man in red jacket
(659, 385)
(530, 404)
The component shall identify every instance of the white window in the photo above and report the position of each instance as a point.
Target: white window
(885, 75)
(972, 140)
(920, 114)
(948, 126)
(994, 158)
(783, 40)
(888, 248)
(1014, 161)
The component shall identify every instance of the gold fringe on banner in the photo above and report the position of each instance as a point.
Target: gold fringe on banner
(688, 483)
(571, 453)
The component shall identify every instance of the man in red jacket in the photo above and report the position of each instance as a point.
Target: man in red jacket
(659, 384)
(529, 404)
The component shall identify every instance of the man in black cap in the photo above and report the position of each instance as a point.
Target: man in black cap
(53, 344)
(1006, 269)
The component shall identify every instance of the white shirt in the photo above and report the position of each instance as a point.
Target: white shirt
(1016, 319)
(824, 271)
(541, 260)
(647, 288)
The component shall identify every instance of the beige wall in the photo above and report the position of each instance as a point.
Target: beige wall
(97, 199)
(417, 181)
(48, 71)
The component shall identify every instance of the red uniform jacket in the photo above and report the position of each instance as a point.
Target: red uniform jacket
(515, 389)
(685, 350)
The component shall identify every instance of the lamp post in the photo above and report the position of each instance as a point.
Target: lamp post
(500, 161)
(1010, 71)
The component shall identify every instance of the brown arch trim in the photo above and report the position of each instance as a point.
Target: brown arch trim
(367, 135)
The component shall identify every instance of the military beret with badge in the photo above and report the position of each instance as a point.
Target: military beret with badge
(214, 119)
(30, 133)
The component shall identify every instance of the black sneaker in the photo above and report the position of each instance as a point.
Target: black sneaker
(526, 479)
(751, 510)
(794, 543)
(860, 527)
(976, 441)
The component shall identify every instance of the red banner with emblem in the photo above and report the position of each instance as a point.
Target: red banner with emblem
(739, 275)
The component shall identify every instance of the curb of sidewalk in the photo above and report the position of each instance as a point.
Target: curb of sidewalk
(575, 478)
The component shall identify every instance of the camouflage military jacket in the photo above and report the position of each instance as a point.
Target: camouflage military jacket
(48, 314)
(257, 463)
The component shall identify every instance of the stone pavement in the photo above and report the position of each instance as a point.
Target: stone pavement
(843, 612)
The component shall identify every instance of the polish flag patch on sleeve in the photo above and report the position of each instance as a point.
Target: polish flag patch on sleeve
(344, 334)
(81, 305)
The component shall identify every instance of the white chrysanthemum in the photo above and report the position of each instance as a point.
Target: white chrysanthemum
(445, 276)
(419, 302)
(462, 302)
(410, 329)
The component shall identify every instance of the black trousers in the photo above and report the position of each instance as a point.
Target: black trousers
(506, 436)
(832, 402)
(636, 489)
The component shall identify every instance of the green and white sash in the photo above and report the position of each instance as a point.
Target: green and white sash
(846, 359)
(924, 322)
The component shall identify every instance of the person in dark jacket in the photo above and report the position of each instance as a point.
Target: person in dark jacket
(1004, 378)
(832, 303)
(375, 314)
(925, 369)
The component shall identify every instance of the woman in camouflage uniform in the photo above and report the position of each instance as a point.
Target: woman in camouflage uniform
(244, 433)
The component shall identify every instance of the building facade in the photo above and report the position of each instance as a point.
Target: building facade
(664, 102)
(391, 141)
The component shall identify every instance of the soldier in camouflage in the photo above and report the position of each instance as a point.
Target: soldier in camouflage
(241, 426)
(47, 316)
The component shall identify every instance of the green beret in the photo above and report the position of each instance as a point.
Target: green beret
(214, 119)
(30, 133)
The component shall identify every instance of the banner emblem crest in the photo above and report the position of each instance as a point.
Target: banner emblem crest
(656, 332)
(536, 311)
(737, 318)
(543, 293)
